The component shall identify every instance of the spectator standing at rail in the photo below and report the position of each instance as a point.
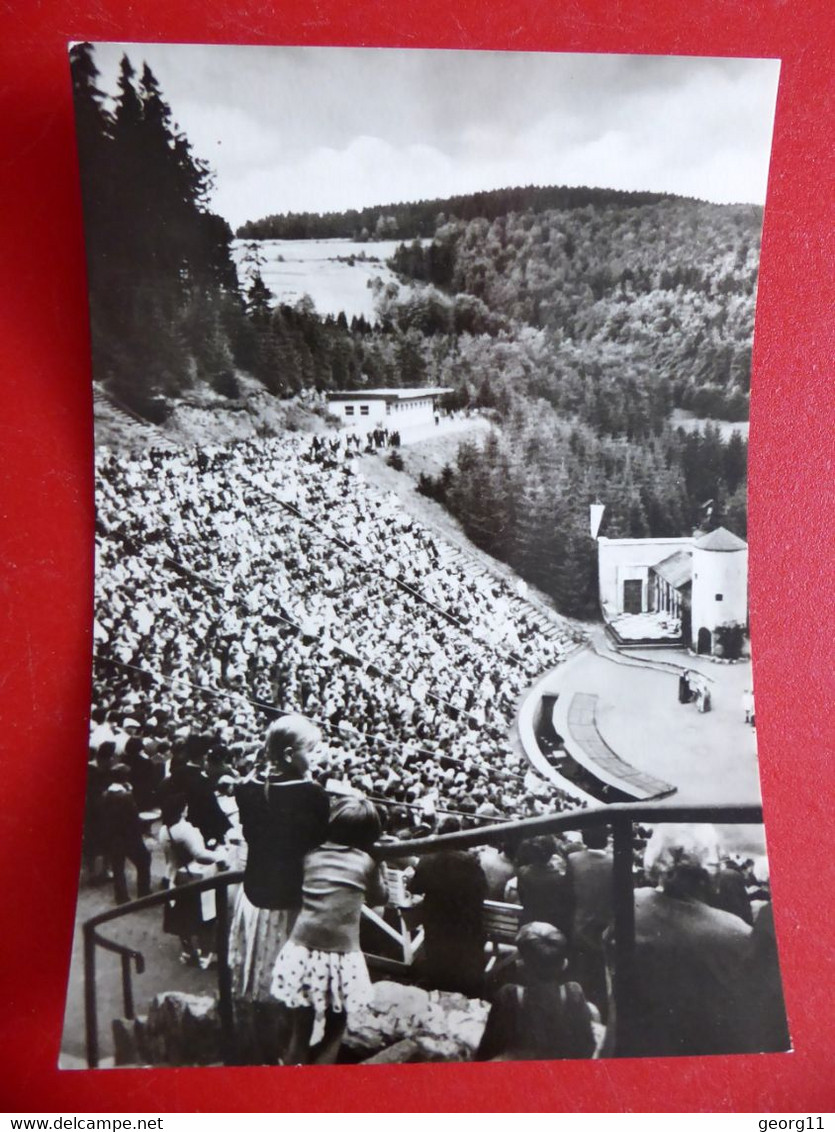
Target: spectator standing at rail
(283, 816)
(453, 887)
(589, 874)
(688, 993)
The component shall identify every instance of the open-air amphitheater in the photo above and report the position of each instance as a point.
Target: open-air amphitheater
(238, 582)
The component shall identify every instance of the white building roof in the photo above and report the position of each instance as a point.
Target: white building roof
(677, 570)
(383, 394)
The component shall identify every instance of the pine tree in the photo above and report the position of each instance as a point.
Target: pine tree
(160, 266)
(93, 130)
(735, 461)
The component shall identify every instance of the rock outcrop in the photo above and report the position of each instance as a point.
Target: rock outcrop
(405, 1023)
(179, 1029)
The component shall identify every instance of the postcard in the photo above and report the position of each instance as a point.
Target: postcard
(423, 725)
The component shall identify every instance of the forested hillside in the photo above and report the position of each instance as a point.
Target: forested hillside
(523, 495)
(575, 319)
(650, 303)
(580, 330)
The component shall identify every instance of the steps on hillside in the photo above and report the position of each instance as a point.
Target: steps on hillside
(136, 429)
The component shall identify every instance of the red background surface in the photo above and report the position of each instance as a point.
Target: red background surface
(46, 511)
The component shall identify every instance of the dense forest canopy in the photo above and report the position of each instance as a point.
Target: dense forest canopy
(410, 220)
(648, 304)
(576, 319)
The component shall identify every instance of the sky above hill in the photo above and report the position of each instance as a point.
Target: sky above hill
(324, 129)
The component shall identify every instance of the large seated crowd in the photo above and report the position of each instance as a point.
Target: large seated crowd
(268, 576)
(268, 581)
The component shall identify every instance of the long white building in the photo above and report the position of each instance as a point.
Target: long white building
(395, 409)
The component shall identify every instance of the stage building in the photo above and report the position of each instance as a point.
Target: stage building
(674, 591)
(394, 409)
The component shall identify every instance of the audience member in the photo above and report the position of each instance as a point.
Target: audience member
(544, 1016)
(589, 874)
(284, 815)
(544, 890)
(320, 974)
(121, 835)
(688, 995)
(453, 887)
(189, 916)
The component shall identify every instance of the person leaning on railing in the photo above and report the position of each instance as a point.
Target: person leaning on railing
(453, 887)
(283, 816)
(320, 973)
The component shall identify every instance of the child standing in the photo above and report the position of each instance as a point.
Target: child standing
(283, 816)
(320, 973)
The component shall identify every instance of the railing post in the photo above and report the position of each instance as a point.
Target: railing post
(624, 906)
(228, 1041)
(90, 1019)
(127, 986)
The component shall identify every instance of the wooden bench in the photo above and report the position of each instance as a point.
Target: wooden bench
(398, 899)
(501, 926)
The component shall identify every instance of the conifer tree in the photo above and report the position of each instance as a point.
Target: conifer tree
(160, 268)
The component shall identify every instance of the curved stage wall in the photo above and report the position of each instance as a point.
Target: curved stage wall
(563, 744)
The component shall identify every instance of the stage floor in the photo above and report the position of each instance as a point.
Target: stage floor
(708, 757)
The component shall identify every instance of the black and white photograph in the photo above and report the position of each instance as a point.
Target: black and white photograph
(423, 721)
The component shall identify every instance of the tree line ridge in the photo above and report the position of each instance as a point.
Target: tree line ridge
(407, 220)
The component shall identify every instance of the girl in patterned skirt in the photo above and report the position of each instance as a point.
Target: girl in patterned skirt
(320, 973)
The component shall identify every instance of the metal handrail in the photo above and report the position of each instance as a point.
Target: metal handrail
(621, 816)
(92, 939)
(658, 813)
(126, 954)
